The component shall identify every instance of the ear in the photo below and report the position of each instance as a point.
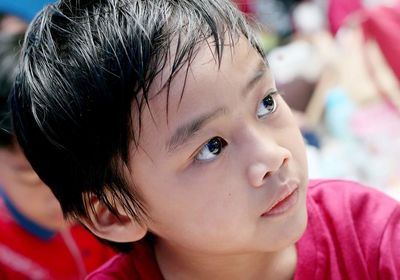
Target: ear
(106, 225)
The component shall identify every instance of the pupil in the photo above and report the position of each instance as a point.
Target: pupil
(214, 146)
(268, 101)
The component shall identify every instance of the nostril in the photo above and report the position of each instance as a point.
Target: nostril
(270, 173)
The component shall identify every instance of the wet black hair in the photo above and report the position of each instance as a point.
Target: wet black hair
(85, 66)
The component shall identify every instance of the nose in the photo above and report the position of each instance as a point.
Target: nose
(265, 157)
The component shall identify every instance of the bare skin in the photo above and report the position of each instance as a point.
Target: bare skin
(226, 154)
(27, 192)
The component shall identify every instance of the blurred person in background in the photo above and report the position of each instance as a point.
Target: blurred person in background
(15, 15)
(348, 96)
(35, 240)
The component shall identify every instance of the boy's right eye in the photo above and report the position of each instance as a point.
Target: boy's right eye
(211, 149)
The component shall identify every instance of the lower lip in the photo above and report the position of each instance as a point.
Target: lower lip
(284, 205)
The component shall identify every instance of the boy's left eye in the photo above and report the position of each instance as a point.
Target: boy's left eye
(267, 106)
(211, 149)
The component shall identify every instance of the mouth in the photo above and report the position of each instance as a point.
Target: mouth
(283, 204)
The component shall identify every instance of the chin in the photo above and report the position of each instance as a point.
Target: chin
(302, 223)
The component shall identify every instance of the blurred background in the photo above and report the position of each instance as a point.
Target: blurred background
(336, 62)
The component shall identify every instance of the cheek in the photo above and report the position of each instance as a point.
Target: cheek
(291, 136)
(200, 210)
(296, 143)
(299, 151)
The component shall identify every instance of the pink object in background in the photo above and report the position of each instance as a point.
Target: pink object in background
(382, 24)
(339, 10)
(244, 6)
(377, 119)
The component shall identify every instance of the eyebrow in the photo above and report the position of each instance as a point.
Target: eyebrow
(261, 70)
(187, 131)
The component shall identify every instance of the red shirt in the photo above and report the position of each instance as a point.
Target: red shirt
(353, 232)
(244, 5)
(69, 255)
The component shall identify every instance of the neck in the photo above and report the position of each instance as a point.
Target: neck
(177, 263)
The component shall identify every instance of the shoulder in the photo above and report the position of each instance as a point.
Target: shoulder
(93, 251)
(139, 263)
(342, 206)
(340, 187)
(10, 230)
(5, 217)
(350, 230)
(342, 197)
(118, 267)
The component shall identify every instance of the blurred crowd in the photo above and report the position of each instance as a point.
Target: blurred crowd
(336, 62)
(36, 242)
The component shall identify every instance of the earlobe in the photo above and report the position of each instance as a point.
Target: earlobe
(106, 225)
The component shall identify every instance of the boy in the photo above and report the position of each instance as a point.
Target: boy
(35, 241)
(157, 123)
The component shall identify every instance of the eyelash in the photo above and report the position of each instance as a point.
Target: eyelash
(222, 143)
(212, 144)
(275, 105)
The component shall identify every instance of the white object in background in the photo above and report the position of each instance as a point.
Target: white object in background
(308, 18)
(295, 60)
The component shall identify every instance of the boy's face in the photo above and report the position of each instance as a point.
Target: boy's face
(226, 153)
(27, 192)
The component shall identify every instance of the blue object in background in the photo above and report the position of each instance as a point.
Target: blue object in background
(24, 9)
(311, 138)
(338, 111)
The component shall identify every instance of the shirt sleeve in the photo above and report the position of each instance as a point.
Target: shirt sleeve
(389, 250)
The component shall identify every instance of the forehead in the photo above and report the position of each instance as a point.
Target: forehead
(203, 74)
(198, 87)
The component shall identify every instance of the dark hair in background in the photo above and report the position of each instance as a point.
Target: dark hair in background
(10, 46)
(84, 65)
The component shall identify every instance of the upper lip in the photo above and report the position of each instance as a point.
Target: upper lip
(282, 192)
